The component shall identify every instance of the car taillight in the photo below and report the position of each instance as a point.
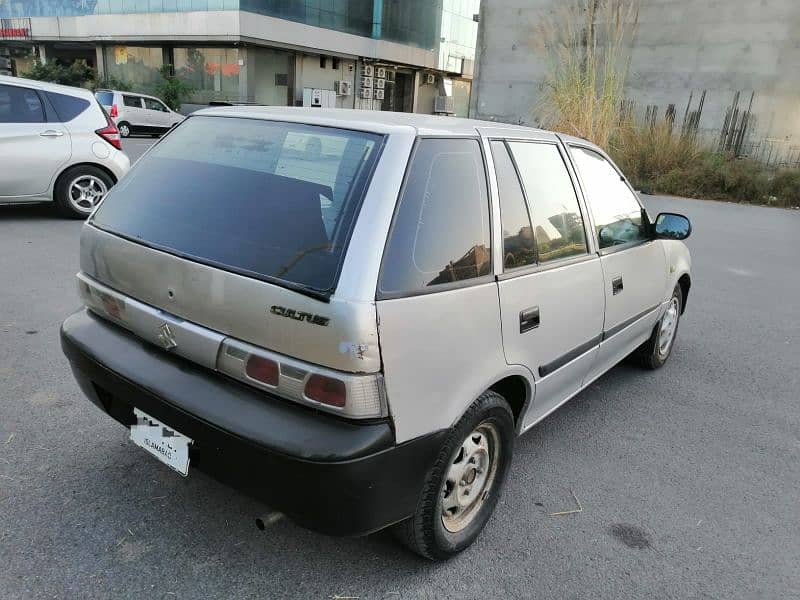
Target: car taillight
(114, 112)
(262, 369)
(326, 390)
(110, 133)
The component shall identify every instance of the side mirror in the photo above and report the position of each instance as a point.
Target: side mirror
(671, 226)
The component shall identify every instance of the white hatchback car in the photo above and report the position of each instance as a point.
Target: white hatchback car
(56, 144)
(138, 113)
(352, 314)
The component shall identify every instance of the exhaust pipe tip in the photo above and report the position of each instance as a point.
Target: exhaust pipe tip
(267, 520)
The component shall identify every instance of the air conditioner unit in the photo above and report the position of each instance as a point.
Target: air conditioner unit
(444, 104)
(368, 71)
(380, 84)
(344, 88)
(390, 75)
(379, 94)
(430, 78)
(366, 93)
(380, 72)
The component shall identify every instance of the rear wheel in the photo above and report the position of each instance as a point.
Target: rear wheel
(462, 488)
(80, 189)
(656, 350)
(124, 129)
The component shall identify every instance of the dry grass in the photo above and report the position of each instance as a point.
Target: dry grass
(587, 43)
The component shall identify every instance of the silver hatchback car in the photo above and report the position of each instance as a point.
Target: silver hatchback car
(56, 144)
(351, 315)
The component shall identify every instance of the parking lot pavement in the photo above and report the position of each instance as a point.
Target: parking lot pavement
(687, 476)
(134, 147)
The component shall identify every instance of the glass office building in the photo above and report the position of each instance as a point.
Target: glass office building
(239, 52)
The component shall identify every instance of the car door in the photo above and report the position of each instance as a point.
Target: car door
(157, 113)
(134, 111)
(634, 265)
(33, 148)
(551, 287)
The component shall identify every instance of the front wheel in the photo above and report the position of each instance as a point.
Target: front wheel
(656, 350)
(462, 488)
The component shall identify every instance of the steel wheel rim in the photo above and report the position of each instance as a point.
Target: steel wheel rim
(470, 477)
(85, 192)
(669, 324)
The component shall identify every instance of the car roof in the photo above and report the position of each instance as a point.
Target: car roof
(366, 120)
(140, 94)
(46, 86)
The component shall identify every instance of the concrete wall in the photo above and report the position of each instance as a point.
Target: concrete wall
(682, 48)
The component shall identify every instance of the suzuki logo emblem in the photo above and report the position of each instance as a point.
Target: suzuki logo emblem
(166, 338)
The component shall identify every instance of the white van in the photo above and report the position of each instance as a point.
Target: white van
(352, 314)
(138, 113)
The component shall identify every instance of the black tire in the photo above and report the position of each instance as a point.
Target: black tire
(61, 195)
(124, 129)
(650, 355)
(425, 532)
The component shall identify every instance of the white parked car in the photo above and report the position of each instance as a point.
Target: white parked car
(352, 314)
(56, 144)
(138, 113)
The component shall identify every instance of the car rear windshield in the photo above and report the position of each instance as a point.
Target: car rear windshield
(268, 199)
(105, 98)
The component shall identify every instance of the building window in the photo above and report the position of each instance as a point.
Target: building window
(136, 66)
(211, 73)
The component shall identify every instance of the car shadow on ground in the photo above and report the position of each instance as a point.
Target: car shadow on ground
(30, 212)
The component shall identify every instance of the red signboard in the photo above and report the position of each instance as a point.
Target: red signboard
(15, 29)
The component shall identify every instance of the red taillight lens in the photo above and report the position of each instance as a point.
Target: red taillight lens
(326, 390)
(110, 133)
(262, 369)
(114, 112)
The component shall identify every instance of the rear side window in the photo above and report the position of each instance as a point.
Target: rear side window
(105, 98)
(616, 211)
(267, 199)
(132, 101)
(557, 220)
(519, 249)
(440, 233)
(20, 105)
(67, 107)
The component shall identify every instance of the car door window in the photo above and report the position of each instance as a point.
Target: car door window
(132, 101)
(20, 105)
(440, 233)
(519, 249)
(618, 216)
(152, 104)
(557, 221)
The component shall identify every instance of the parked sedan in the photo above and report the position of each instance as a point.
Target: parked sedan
(56, 144)
(138, 113)
(353, 314)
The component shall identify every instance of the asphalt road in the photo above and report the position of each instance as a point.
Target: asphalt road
(688, 477)
(134, 147)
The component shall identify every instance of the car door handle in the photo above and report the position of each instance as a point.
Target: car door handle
(51, 133)
(529, 319)
(616, 285)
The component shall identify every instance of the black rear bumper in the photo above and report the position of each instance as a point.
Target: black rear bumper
(327, 474)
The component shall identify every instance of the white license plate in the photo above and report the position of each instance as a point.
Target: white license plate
(166, 444)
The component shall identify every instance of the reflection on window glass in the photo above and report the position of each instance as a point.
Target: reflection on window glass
(151, 104)
(211, 73)
(518, 246)
(244, 194)
(616, 211)
(136, 66)
(557, 221)
(20, 105)
(441, 229)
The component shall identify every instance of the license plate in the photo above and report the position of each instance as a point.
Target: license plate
(166, 444)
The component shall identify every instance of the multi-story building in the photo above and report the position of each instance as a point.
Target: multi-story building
(401, 55)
